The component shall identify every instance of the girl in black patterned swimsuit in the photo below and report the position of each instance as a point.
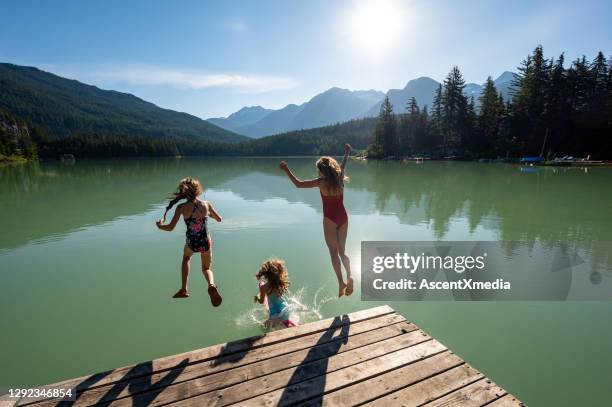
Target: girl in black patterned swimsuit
(196, 214)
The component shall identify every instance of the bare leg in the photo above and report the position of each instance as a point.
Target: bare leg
(346, 262)
(331, 239)
(213, 292)
(206, 263)
(182, 293)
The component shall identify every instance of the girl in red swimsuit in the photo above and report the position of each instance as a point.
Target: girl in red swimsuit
(335, 219)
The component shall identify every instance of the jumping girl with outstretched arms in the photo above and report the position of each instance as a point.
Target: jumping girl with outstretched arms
(335, 219)
(196, 214)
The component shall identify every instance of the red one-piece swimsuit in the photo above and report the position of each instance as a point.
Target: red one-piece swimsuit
(333, 209)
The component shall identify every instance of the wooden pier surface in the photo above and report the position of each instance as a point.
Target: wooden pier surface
(373, 357)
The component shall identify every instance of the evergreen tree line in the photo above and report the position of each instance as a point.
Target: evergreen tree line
(552, 110)
(324, 140)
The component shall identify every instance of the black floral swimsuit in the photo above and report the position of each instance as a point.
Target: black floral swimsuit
(197, 232)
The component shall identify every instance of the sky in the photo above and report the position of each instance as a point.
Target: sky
(212, 58)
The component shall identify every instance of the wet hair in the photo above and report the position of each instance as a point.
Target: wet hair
(331, 172)
(276, 275)
(188, 188)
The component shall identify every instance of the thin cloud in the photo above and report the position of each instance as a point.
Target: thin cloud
(151, 76)
(237, 26)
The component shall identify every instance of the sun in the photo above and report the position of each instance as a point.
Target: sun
(375, 28)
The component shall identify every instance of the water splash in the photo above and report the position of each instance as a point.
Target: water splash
(303, 310)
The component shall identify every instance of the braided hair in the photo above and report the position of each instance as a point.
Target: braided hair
(188, 188)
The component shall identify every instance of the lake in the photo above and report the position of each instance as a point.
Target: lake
(87, 278)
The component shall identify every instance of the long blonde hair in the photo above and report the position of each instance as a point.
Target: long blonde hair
(331, 172)
(189, 189)
(276, 275)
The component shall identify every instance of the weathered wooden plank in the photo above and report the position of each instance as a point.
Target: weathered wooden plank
(6, 401)
(180, 361)
(507, 401)
(318, 386)
(194, 384)
(392, 381)
(430, 389)
(472, 395)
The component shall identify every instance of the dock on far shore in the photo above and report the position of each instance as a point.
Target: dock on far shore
(373, 357)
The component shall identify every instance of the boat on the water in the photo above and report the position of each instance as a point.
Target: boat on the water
(532, 160)
(569, 161)
(493, 160)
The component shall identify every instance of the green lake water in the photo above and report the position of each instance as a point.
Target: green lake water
(87, 278)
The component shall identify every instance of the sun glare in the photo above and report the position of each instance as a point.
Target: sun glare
(375, 27)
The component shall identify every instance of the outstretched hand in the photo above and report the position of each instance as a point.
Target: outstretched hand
(347, 149)
(159, 223)
(283, 166)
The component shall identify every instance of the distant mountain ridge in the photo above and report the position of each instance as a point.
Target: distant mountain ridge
(67, 107)
(243, 117)
(338, 105)
(335, 105)
(422, 89)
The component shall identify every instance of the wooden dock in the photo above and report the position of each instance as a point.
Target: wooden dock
(373, 357)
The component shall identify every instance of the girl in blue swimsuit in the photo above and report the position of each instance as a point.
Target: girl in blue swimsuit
(196, 214)
(273, 285)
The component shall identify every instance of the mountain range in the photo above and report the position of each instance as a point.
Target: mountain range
(67, 107)
(338, 105)
(335, 105)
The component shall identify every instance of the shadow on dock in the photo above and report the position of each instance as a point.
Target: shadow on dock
(311, 374)
(142, 369)
(85, 385)
(234, 351)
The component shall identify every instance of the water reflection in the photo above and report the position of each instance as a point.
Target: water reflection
(48, 199)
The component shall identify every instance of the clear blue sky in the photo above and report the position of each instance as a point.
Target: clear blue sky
(211, 58)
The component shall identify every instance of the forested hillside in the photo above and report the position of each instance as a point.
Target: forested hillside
(67, 107)
(323, 140)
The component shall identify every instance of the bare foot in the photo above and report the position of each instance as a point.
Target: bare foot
(182, 293)
(341, 289)
(349, 286)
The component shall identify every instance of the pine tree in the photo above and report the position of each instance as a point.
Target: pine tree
(489, 117)
(412, 107)
(422, 137)
(406, 128)
(385, 133)
(455, 113)
(598, 122)
(557, 112)
(529, 89)
(409, 126)
(437, 117)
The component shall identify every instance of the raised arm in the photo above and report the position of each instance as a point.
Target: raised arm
(347, 151)
(298, 182)
(213, 212)
(261, 296)
(170, 226)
